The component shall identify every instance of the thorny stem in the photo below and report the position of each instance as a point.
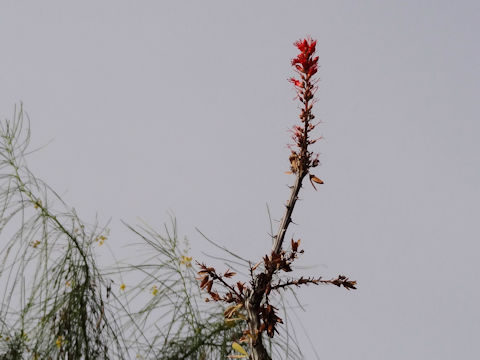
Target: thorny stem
(305, 90)
(252, 305)
(287, 217)
(254, 300)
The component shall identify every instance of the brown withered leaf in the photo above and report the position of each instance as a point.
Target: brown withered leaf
(246, 336)
(204, 282)
(230, 311)
(345, 282)
(240, 286)
(315, 179)
(294, 162)
(266, 261)
(215, 296)
(350, 284)
(270, 319)
(295, 245)
(209, 286)
(256, 266)
(286, 267)
(271, 329)
(277, 260)
(228, 297)
(262, 328)
(206, 270)
(229, 274)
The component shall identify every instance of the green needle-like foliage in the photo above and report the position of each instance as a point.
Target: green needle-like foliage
(57, 303)
(52, 305)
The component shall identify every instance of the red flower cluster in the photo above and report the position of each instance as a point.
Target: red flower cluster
(305, 63)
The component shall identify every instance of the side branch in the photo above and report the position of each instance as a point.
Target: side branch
(339, 281)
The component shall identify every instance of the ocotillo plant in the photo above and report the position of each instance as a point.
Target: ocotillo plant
(251, 303)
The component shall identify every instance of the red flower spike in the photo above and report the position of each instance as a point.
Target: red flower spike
(306, 65)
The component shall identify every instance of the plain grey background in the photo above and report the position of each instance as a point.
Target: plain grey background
(183, 106)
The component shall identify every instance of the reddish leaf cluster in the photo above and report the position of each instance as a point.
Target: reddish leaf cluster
(344, 281)
(282, 260)
(238, 292)
(233, 294)
(270, 319)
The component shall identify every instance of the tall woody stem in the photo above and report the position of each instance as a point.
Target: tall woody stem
(287, 217)
(301, 162)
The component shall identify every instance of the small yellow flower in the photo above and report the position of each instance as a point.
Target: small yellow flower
(186, 260)
(100, 239)
(122, 287)
(154, 290)
(59, 342)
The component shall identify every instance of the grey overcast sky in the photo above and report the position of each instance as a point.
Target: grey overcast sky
(183, 106)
